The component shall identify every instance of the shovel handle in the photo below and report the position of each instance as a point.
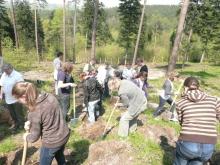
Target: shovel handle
(24, 152)
(110, 116)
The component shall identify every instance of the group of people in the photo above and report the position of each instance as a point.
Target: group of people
(197, 111)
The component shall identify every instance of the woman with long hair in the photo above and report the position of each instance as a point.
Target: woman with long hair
(45, 120)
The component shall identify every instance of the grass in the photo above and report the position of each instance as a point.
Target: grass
(7, 145)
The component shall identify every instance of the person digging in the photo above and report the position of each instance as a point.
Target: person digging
(135, 101)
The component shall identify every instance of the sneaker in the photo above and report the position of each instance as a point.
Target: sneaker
(12, 127)
(174, 119)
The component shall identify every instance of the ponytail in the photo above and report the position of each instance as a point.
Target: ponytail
(29, 90)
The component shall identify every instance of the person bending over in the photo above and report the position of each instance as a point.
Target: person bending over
(197, 114)
(135, 101)
(45, 121)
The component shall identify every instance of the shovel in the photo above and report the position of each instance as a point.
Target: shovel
(74, 120)
(24, 152)
(106, 130)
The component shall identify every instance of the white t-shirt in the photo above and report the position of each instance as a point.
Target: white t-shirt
(57, 66)
(7, 82)
(102, 75)
(128, 73)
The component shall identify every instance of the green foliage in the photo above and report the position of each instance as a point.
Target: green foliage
(5, 24)
(204, 18)
(7, 145)
(129, 12)
(20, 58)
(25, 24)
(103, 34)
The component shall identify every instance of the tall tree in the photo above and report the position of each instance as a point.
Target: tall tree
(93, 50)
(14, 24)
(64, 30)
(103, 34)
(25, 24)
(3, 22)
(130, 12)
(37, 4)
(139, 33)
(173, 57)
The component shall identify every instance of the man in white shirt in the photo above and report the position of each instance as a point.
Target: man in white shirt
(128, 72)
(9, 78)
(57, 66)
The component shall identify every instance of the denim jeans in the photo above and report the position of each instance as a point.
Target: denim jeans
(47, 155)
(189, 153)
(92, 110)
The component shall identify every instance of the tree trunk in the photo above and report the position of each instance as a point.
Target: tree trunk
(74, 32)
(0, 47)
(186, 51)
(64, 31)
(36, 32)
(14, 25)
(139, 34)
(173, 57)
(202, 57)
(93, 50)
(155, 41)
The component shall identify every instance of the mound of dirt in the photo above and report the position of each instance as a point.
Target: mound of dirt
(111, 153)
(159, 134)
(92, 131)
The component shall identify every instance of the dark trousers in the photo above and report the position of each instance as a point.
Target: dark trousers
(16, 112)
(47, 155)
(65, 103)
(162, 102)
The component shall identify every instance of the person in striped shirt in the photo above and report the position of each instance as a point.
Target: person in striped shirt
(198, 114)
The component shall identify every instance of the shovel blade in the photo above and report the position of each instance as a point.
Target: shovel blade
(73, 121)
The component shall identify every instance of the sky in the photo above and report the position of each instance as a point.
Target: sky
(113, 3)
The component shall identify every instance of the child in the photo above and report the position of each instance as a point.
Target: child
(92, 95)
(45, 120)
(141, 82)
(165, 96)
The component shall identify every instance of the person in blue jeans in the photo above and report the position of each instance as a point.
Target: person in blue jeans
(92, 94)
(197, 114)
(45, 121)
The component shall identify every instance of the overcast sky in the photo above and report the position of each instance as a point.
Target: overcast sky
(113, 3)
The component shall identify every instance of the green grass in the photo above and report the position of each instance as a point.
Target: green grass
(7, 145)
(148, 151)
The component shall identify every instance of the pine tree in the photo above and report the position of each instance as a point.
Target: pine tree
(130, 12)
(5, 24)
(103, 34)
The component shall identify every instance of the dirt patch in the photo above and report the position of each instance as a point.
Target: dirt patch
(156, 133)
(110, 152)
(155, 73)
(92, 131)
